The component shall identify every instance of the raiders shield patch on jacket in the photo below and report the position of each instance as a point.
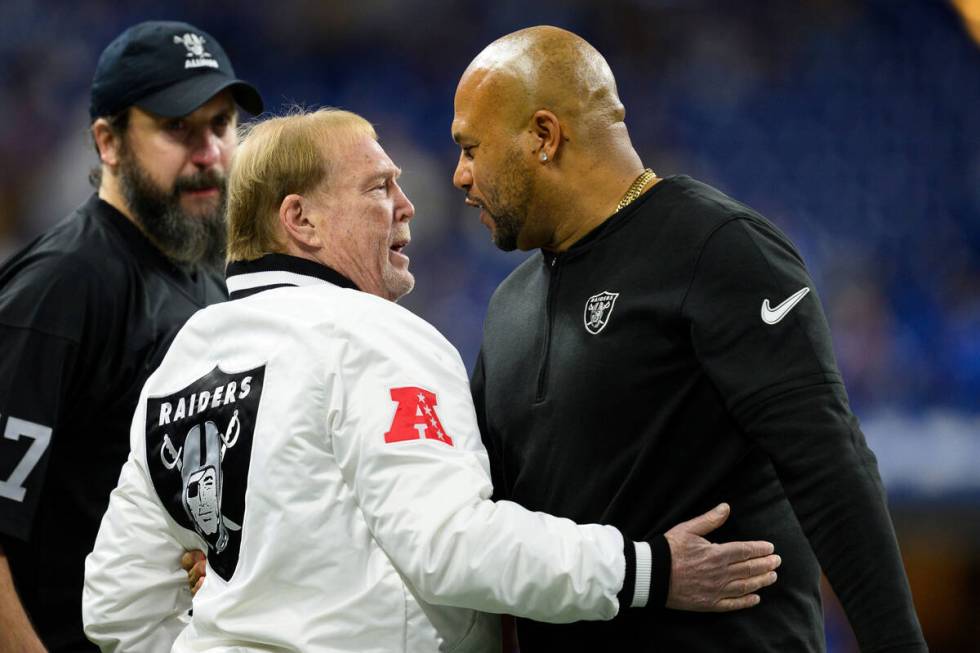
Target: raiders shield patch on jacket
(598, 310)
(198, 448)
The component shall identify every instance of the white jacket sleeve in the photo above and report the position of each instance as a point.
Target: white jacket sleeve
(405, 434)
(136, 596)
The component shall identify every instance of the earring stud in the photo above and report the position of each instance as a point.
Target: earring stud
(544, 156)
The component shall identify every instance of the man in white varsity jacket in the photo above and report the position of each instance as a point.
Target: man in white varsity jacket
(320, 443)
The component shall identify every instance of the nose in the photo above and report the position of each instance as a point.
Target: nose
(206, 150)
(404, 209)
(462, 177)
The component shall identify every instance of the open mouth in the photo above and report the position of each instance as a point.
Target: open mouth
(399, 245)
(485, 218)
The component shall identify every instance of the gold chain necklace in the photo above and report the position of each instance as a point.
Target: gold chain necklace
(635, 189)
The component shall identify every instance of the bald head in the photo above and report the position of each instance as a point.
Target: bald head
(544, 68)
(544, 151)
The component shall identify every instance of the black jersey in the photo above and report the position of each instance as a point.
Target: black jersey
(677, 357)
(86, 313)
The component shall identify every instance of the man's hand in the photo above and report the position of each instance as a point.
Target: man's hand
(706, 577)
(195, 564)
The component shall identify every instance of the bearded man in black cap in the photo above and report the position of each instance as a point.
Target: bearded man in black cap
(88, 309)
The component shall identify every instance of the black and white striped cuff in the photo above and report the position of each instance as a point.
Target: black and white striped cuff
(647, 577)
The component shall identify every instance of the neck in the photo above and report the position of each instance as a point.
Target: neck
(333, 258)
(293, 249)
(594, 198)
(111, 193)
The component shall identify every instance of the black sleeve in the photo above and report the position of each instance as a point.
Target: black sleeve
(44, 313)
(774, 365)
(657, 574)
(478, 388)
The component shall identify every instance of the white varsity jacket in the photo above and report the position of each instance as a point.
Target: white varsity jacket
(320, 444)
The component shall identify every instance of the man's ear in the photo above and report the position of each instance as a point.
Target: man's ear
(294, 217)
(547, 134)
(107, 142)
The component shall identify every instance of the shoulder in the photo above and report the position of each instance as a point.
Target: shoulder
(518, 281)
(79, 249)
(324, 313)
(690, 215)
(366, 317)
(692, 195)
(387, 337)
(688, 206)
(42, 289)
(79, 271)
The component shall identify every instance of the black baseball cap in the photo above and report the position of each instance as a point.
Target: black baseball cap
(168, 68)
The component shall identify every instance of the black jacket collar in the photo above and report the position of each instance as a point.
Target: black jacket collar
(246, 278)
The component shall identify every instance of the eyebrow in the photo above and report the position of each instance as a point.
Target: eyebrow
(393, 172)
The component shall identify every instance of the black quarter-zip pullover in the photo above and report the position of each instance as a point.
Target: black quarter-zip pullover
(667, 362)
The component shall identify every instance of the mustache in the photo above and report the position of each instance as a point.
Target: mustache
(201, 181)
(401, 237)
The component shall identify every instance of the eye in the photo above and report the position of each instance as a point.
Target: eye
(468, 151)
(176, 125)
(220, 124)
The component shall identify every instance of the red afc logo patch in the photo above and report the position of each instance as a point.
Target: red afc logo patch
(415, 417)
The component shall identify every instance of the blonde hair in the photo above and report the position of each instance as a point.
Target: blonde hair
(279, 156)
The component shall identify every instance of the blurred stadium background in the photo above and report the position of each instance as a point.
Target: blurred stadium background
(853, 125)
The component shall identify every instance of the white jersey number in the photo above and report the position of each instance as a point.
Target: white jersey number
(13, 488)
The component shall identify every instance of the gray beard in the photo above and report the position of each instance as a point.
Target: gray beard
(184, 239)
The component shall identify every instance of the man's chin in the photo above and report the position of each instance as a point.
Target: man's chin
(200, 204)
(504, 242)
(400, 286)
(503, 232)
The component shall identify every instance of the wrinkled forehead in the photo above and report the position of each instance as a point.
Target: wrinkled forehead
(357, 160)
(375, 159)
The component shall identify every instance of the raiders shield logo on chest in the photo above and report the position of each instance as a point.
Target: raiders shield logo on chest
(598, 310)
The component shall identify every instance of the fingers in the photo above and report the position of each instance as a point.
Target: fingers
(744, 586)
(716, 577)
(754, 567)
(197, 586)
(709, 521)
(739, 551)
(190, 558)
(195, 564)
(740, 603)
(198, 571)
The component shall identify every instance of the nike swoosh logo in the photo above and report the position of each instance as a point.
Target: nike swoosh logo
(775, 315)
